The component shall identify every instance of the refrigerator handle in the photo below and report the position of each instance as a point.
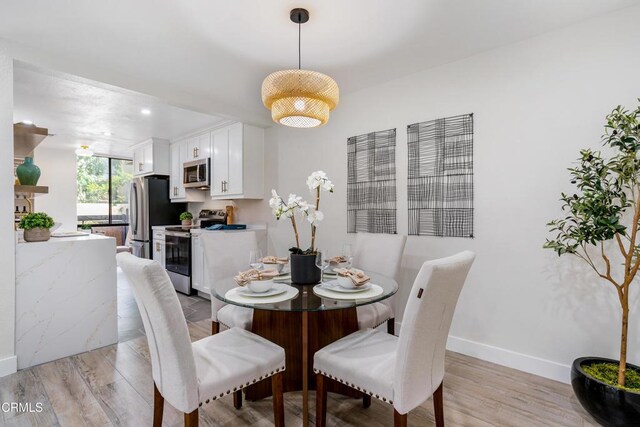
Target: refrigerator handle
(134, 207)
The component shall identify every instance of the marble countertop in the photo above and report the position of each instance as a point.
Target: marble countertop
(70, 239)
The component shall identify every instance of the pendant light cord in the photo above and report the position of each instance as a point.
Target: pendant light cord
(299, 49)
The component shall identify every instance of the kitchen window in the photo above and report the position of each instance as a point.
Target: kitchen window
(103, 192)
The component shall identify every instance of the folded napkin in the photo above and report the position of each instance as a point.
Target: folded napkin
(270, 259)
(245, 277)
(338, 260)
(357, 277)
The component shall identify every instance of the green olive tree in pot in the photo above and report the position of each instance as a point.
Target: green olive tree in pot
(36, 226)
(602, 214)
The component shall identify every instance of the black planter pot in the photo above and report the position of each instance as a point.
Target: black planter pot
(304, 270)
(611, 406)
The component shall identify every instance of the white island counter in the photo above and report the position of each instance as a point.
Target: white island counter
(66, 299)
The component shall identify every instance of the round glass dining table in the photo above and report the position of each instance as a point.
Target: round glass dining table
(303, 323)
(306, 299)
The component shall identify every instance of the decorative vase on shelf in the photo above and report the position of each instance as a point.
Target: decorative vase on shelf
(304, 270)
(28, 173)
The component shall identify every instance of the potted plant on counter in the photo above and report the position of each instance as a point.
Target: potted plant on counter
(36, 226)
(186, 218)
(602, 216)
(303, 267)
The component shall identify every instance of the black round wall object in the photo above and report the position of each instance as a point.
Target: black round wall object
(299, 15)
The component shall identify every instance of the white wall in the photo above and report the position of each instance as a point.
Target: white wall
(58, 167)
(536, 103)
(7, 235)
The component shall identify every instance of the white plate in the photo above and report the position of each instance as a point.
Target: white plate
(278, 288)
(334, 286)
(372, 292)
(290, 293)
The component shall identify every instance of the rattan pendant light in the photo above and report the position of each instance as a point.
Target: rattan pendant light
(300, 98)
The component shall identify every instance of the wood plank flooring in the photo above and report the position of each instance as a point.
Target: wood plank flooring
(112, 386)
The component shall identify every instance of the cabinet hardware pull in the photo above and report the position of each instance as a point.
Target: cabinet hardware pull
(140, 167)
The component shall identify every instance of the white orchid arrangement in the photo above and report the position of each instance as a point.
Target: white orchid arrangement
(317, 182)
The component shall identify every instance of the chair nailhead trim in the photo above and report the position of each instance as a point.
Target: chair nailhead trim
(240, 387)
(381, 323)
(340, 380)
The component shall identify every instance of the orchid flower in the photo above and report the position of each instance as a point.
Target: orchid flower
(319, 179)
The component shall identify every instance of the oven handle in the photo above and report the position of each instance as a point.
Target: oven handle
(178, 234)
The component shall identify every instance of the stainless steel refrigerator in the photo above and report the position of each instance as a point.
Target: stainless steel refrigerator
(150, 205)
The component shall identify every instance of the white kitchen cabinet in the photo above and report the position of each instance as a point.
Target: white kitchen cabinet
(159, 247)
(176, 188)
(177, 193)
(198, 147)
(237, 162)
(199, 273)
(151, 157)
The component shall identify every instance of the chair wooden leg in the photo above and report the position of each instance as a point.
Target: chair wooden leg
(438, 407)
(158, 407)
(399, 420)
(391, 326)
(278, 399)
(321, 401)
(366, 401)
(215, 328)
(191, 419)
(237, 399)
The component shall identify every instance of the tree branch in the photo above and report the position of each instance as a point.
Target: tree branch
(586, 258)
(606, 261)
(621, 245)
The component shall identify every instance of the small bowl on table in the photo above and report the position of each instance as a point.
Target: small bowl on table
(275, 266)
(260, 286)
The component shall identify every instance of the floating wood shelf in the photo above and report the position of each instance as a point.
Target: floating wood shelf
(26, 138)
(29, 191)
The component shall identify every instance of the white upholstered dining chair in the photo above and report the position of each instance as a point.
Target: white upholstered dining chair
(224, 257)
(186, 374)
(403, 371)
(382, 254)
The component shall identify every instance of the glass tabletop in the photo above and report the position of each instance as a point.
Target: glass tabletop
(306, 298)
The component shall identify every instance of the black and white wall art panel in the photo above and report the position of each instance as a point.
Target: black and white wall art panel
(440, 177)
(371, 182)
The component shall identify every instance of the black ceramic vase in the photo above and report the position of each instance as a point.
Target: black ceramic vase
(610, 406)
(304, 270)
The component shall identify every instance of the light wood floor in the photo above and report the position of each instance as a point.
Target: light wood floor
(113, 386)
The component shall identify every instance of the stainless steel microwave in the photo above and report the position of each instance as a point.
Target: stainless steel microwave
(197, 174)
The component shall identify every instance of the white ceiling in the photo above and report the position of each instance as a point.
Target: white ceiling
(218, 52)
(79, 112)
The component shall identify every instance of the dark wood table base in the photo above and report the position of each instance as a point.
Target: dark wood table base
(285, 328)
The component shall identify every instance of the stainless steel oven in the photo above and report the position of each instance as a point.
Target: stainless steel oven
(197, 174)
(178, 258)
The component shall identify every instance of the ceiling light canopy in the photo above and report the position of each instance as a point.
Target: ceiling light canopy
(300, 98)
(145, 111)
(84, 151)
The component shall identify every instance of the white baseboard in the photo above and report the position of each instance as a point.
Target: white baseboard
(8, 366)
(511, 359)
(522, 362)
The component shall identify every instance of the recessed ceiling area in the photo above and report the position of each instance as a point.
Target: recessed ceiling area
(213, 55)
(108, 119)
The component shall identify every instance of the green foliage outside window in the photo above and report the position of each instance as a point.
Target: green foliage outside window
(93, 179)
